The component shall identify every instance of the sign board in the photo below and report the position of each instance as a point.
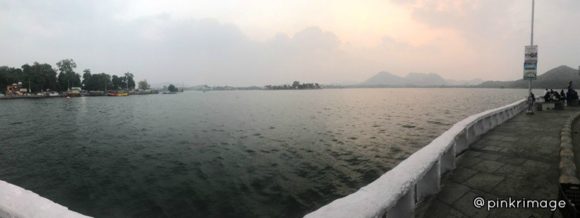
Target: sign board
(531, 62)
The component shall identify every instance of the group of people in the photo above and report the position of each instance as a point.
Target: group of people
(553, 96)
(570, 97)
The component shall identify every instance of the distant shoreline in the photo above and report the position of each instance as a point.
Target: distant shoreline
(60, 96)
(357, 87)
(261, 89)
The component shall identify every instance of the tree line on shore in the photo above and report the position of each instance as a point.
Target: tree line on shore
(295, 85)
(43, 77)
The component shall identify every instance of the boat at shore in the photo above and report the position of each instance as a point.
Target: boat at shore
(117, 93)
(74, 92)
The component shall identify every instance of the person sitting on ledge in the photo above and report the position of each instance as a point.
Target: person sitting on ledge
(555, 95)
(547, 96)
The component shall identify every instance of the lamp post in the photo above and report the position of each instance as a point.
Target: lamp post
(532, 38)
(531, 59)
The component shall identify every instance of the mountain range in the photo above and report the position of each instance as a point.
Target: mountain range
(414, 80)
(556, 78)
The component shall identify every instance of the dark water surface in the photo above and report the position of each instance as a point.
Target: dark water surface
(222, 154)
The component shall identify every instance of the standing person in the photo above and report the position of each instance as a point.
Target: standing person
(562, 95)
(572, 95)
(531, 101)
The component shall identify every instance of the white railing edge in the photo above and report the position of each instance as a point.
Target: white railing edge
(18, 202)
(378, 197)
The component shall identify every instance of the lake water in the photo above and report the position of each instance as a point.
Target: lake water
(223, 153)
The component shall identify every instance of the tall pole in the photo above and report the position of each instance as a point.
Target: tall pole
(532, 35)
(532, 41)
(530, 107)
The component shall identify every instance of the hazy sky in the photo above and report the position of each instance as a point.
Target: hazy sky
(257, 42)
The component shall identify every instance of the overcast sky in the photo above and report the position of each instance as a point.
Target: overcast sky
(257, 42)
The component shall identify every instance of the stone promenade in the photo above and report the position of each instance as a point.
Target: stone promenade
(518, 159)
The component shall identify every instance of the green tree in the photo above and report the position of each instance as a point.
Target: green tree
(116, 82)
(9, 75)
(48, 75)
(128, 81)
(103, 82)
(295, 84)
(144, 85)
(172, 88)
(28, 78)
(88, 81)
(67, 77)
(4, 77)
(38, 77)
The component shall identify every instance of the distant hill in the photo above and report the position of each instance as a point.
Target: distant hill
(556, 78)
(424, 79)
(413, 80)
(384, 78)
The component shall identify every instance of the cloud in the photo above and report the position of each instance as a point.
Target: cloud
(463, 40)
(498, 30)
(479, 21)
(162, 48)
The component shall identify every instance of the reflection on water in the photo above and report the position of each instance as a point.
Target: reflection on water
(222, 154)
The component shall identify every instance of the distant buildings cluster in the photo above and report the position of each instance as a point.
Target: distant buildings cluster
(16, 89)
(294, 86)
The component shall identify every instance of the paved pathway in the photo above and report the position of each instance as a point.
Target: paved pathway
(518, 159)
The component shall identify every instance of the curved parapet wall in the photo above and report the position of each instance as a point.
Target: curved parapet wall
(17, 202)
(567, 161)
(397, 192)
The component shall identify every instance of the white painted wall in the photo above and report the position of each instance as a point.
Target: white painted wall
(16, 202)
(397, 192)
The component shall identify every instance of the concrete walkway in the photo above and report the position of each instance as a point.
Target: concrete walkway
(576, 144)
(518, 159)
